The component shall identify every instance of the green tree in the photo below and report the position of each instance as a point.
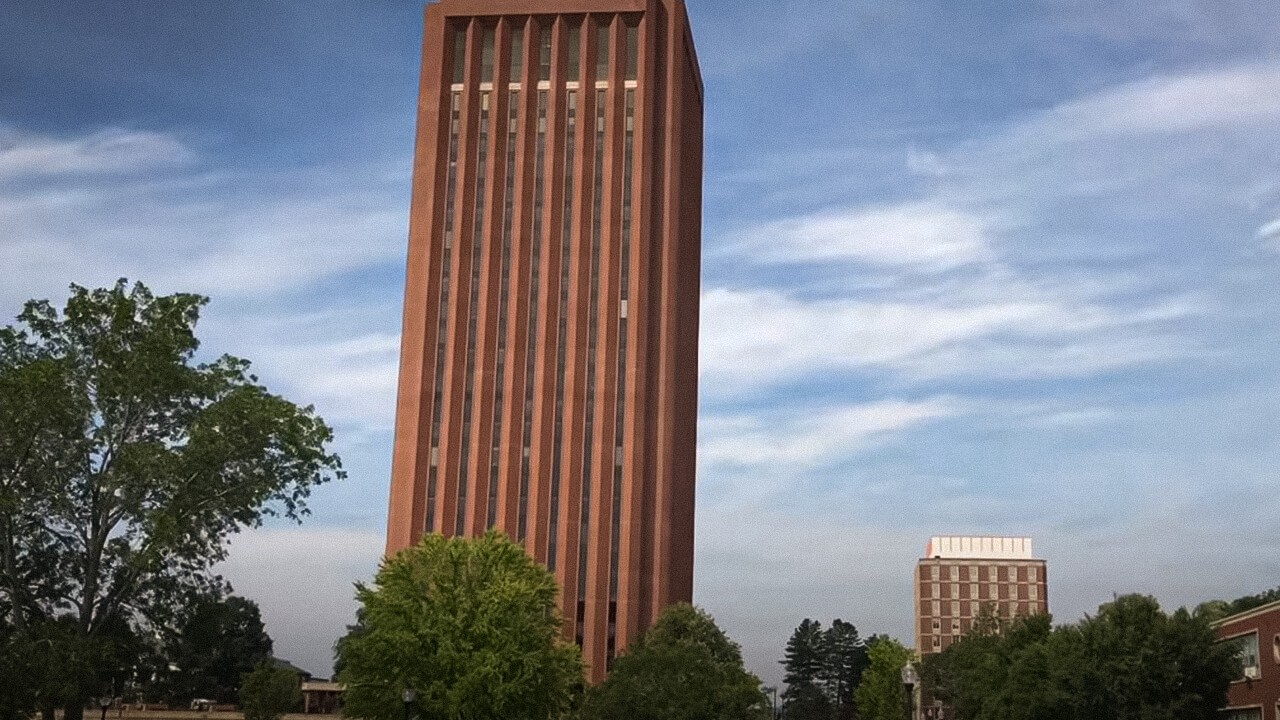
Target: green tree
(470, 625)
(805, 662)
(220, 641)
(269, 691)
(1218, 609)
(682, 668)
(1130, 661)
(880, 695)
(846, 659)
(125, 465)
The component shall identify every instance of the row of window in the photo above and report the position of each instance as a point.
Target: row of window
(984, 591)
(572, 51)
(1005, 609)
(989, 572)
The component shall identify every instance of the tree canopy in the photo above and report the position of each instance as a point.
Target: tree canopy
(219, 642)
(1218, 609)
(822, 670)
(125, 465)
(269, 691)
(682, 668)
(1130, 661)
(470, 625)
(881, 695)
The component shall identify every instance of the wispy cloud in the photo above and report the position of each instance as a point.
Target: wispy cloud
(803, 439)
(922, 235)
(32, 157)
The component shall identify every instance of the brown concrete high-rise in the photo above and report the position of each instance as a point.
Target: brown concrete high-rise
(548, 368)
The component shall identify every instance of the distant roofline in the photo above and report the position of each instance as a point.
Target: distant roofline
(984, 547)
(1260, 610)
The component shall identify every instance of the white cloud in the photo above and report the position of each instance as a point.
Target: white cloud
(110, 215)
(351, 379)
(1270, 233)
(924, 235)
(1227, 98)
(756, 338)
(302, 579)
(27, 156)
(802, 439)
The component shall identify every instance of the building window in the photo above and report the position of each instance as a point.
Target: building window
(477, 253)
(937, 625)
(955, 627)
(933, 573)
(1242, 714)
(624, 284)
(633, 49)
(955, 608)
(955, 590)
(1247, 650)
(937, 608)
(973, 591)
(562, 334)
(937, 642)
(535, 290)
(934, 591)
(1033, 592)
(955, 573)
(1031, 574)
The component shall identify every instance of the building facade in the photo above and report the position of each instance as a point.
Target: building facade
(1255, 695)
(548, 371)
(961, 579)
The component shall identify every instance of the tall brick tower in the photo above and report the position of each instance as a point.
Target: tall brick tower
(548, 366)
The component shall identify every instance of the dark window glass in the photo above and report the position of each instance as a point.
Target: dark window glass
(575, 52)
(459, 55)
(544, 53)
(602, 51)
(517, 52)
(633, 50)
(486, 56)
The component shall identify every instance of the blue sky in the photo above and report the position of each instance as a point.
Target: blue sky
(1000, 268)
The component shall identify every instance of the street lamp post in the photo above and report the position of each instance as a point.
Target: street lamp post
(408, 696)
(910, 678)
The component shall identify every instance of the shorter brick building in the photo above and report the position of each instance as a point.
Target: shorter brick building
(959, 577)
(1256, 695)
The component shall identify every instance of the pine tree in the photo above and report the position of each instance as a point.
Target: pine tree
(805, 661)
(845, 656)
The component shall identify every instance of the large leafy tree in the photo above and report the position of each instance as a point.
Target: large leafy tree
(682, 668)
(219, 642)
(881, 695)
(269, 691)
(470, 625)
(1130, 661)
(125, 465)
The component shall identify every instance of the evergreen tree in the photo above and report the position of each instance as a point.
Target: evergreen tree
(805, 661)
(846, 659)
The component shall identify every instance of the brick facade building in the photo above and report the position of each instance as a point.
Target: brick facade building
(548, 368)
(1256, 695)
(960, 577)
